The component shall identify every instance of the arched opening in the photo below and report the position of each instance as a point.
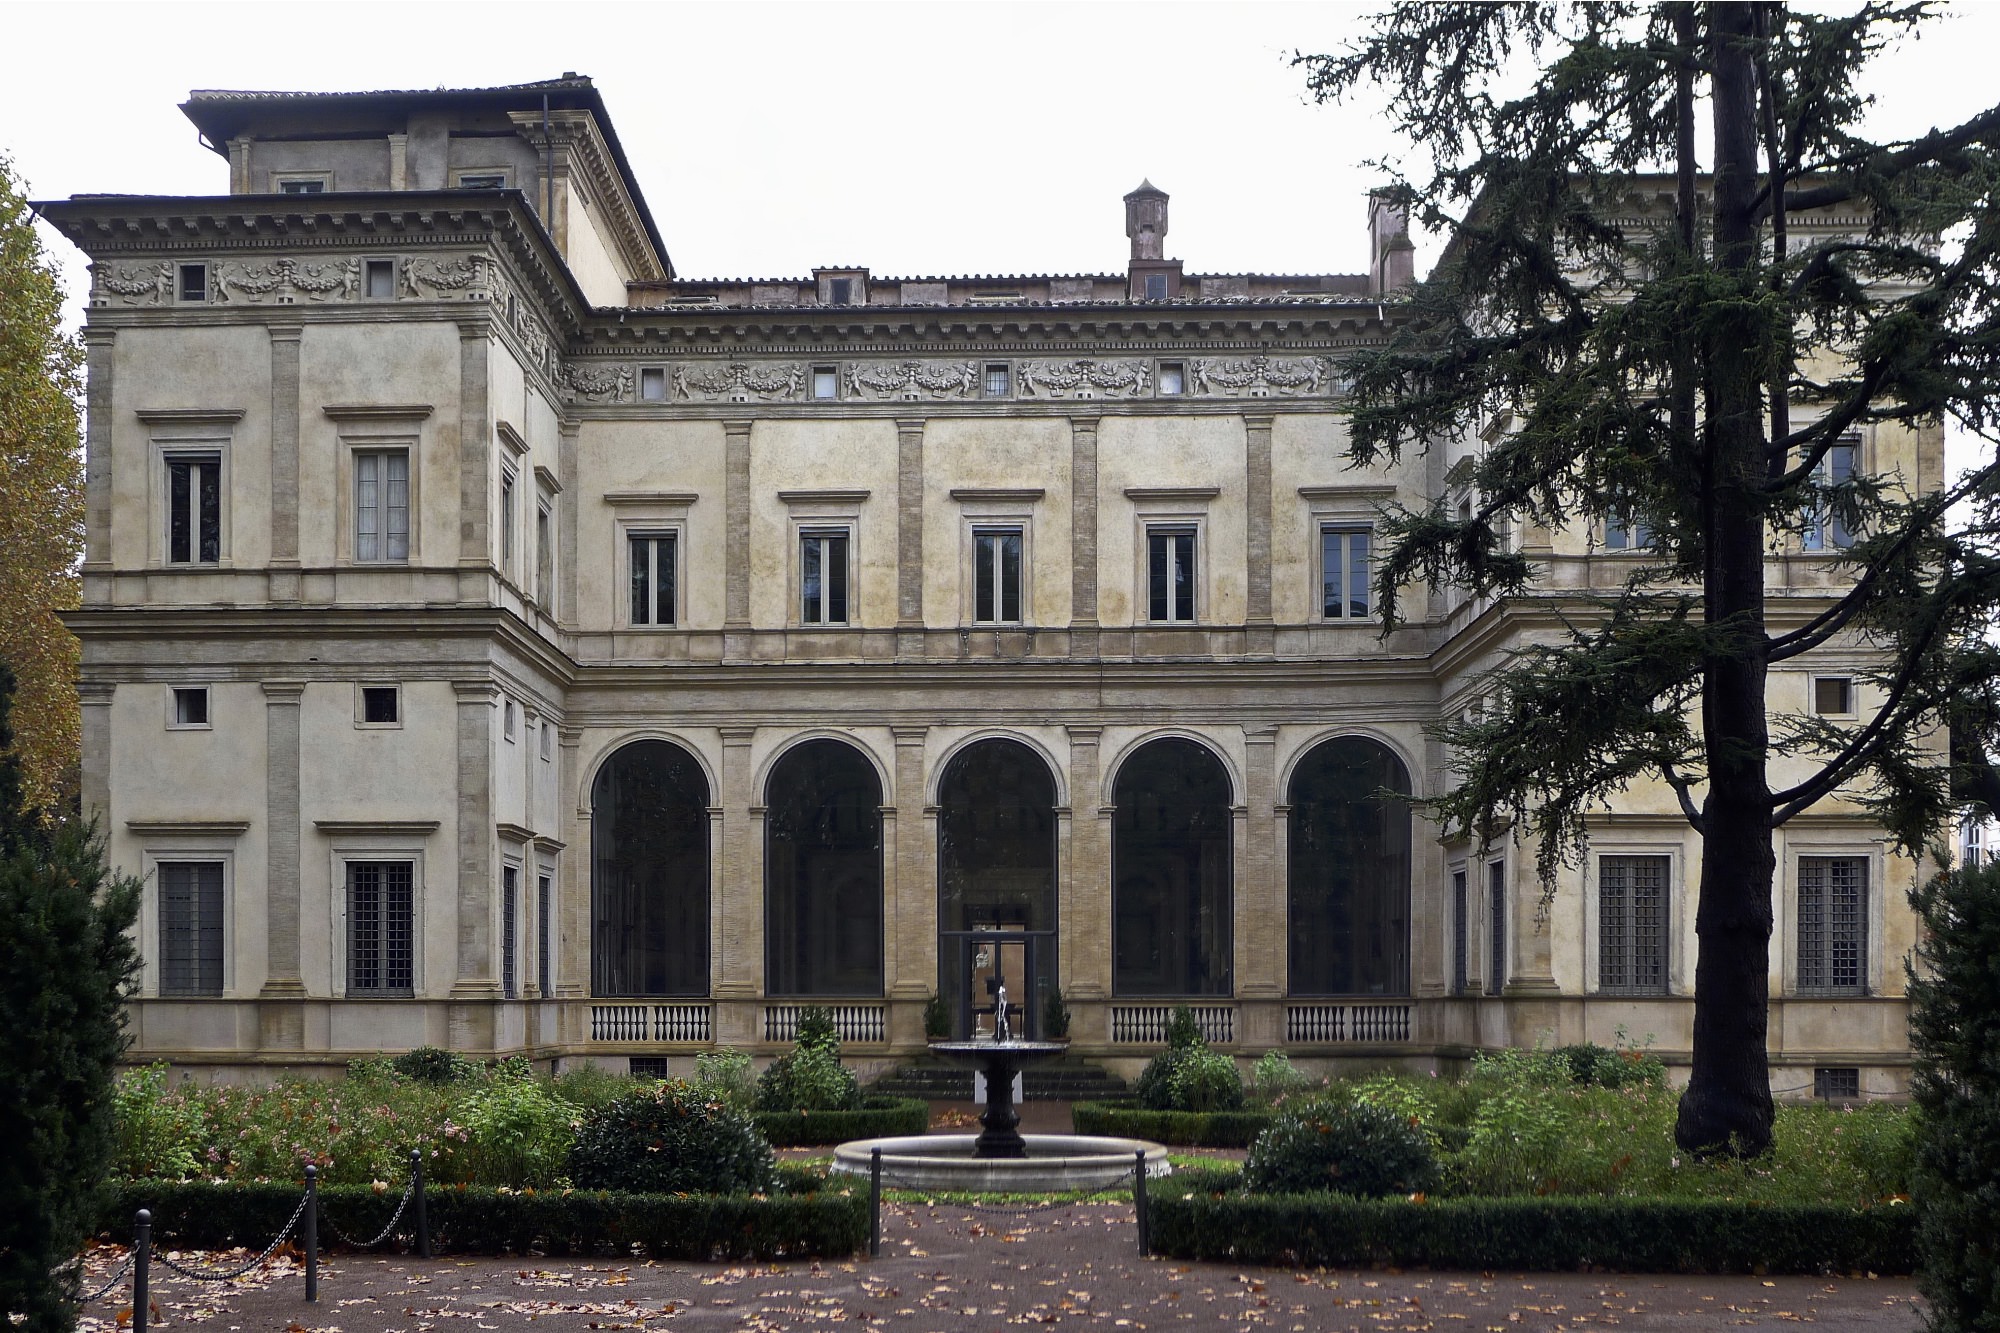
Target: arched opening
(1171, 845)
(997, 880)
(823, 873)
(649, 873)
(1349, 870)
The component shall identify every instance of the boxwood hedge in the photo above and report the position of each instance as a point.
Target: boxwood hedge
(879, 1117)
(1201, 1214)
(805, 1218)
(1191, 1129)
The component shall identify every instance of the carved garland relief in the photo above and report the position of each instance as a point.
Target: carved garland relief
(285, 281)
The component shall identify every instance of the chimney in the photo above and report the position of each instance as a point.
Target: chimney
(1392, 259)
(1150, 276)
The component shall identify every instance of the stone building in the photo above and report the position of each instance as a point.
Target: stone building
(495, 639)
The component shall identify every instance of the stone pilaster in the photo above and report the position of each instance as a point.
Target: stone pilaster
(284, 571)
(736, 546)
(1260, 632)
(96, 697)
(281, 838)
(1086, 905)
(1260, 906)
(1083, 540)
(99, 360)
(739, 946)
(909, 537)
(912, 925)
(476, 974)
(572, 874)
(475, 450)
(566, 521)
(1531, 944)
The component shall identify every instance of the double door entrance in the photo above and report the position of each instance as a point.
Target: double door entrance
(975, 965)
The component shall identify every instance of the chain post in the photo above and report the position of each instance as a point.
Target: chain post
(874, 1202)
(423, 1217)
(142, 1258)
(312, 1234)
(1139, 1199)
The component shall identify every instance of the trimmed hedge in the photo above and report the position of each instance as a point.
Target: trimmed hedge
(1188, 1129)
(804, 1219)
(879, 1117)
(1199, 1214)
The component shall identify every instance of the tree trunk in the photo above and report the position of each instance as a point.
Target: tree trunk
(1727, 1105)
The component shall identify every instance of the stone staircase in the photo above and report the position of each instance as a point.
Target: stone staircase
(1067, 1079)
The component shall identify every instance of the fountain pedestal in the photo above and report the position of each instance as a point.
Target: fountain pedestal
(999, 1060)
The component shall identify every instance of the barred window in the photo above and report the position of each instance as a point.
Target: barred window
(1632, 924)
(1833, 898)
(190, 927)
(1460, 945)
(381, 934)
(510, 932)
(1496, 927)
(544, 950)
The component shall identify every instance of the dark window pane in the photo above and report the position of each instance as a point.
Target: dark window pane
(823, 873)
(398, 938)
(665, 550)
(982, 576)
(810, 553)
(1333, 564)
(641, 556)
(1010, 576)
(378, 703)
(1184, 576)
(649, 873)
(1460, 954)
(1358, 572)
(180, 527)
(1496, 927)
(1157, 576)
(1832, 925)
(997, 863)
(209, 472)
(510, 937)
(836, 580)
(1171, 838)
(1349, 863)
(544, 943)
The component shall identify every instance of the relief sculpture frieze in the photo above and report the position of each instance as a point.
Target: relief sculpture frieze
(1261, 376)
(738, 381)
(598, 384)
(1085, 379)
(914, 379)
(286, 279)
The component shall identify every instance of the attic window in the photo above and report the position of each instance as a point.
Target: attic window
(1156, 286)
(840, 291)
(380, 277)
(652, 384)
(482, 180)
(302, 185)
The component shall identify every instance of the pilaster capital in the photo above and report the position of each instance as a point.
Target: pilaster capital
(99, 337)
(737, 735)
(472, 328)
(909, 735)
(474, 693)
(285, 333)
(1258, 421)
(96, 693)
(1084, 735)
(909, 426)
(282, 693)
(1265, 734)
(569, 737)
(735, 429)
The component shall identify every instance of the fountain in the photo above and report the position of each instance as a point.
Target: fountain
(1001, 1157)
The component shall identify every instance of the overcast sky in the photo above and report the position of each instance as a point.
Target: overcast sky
(769, 138)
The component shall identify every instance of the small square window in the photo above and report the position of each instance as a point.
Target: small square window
(381, 706)
(840, 291)
(379, 280)
(194, 282)
(303, 185)
(1173, 379)
(190, 706)
(482, 180)
(653, 384)
(1837, 1084)
(826, 382)
(1156, 286)
(508, 719)
(997, 380)
(1833, 696)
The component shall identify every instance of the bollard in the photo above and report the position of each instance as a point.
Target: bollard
(142, 1260)
(1139, 1199)
(874, 1202)
(312, 1234)
(423, 1218)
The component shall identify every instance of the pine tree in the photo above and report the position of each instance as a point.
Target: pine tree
(1692, 378)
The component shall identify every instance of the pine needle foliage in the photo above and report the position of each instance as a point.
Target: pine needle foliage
(1666, 332)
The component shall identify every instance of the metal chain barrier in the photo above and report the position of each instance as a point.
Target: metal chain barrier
(1009, 1209)
(234, 1273)
(877, 1178)
(409, 1192)
(117, 1276)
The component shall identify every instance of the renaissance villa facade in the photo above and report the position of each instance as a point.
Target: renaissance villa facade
(496, 640)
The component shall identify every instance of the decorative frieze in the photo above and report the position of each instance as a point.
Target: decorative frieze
(1261, 376)
(285, 280)
(134, 284)
(739, 382)
(1085, 379)
(907, 380)
(598, 384)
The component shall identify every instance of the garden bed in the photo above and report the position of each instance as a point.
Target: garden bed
(878, 1118)
(1203, 1215)
(1187, 1129)
(805, 1217)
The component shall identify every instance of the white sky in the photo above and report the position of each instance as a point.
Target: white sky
(770, 137)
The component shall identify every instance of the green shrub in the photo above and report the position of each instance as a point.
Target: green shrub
(428, 1064)
(1275, 1078)
(1620, 1066)
(937, 1018)
(1217, 1129)
(1204, 1080)
(816, 1031)
(1355, 1149)
(670, 1138)
(1183, 1031)
(589, 1086)
(160, 1132)
(809, 1078)
(1954, 1033)
(1055, 1015)
(1517, 1138)
(877, 1117)
(728, 1076)
(518, 1132)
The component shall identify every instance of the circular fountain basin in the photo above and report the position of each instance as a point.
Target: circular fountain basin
(1056, 1163)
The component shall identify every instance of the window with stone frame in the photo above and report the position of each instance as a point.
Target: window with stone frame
(996, 575)
(1170, 574)
(1346, 569)
(651, 572)
(1632, 924)
(381, 934)
(823, 576)
(1833, 932)
(382, 505)
(191, 930)
(194, 508)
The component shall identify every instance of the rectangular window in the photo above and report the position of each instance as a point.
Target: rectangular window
(382, 505)
(510, 890)
(1834, 1083)
(1833, 696)
(653, 384)
(194, 282)
(996, 379)
(1460, 945)
(545, 559)
(194, 509)
(1345, 559)
(1170, 574)
(823, 578)
(1156, 286)
(381, 934)
(547, 742)
(507, 520)
(1173, 379)
(652, 560)
(1833, 900)
(508, 723)
(544, 949)
(190, 927)
(996, 576)
(482, 180)
(379, 278)
(381, 706)
(303, 185)
(839, 291)
(1623, 531)
(191, 706)
(826, 382)
(1826, 530)
(1496, 927)
(1632, 924)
